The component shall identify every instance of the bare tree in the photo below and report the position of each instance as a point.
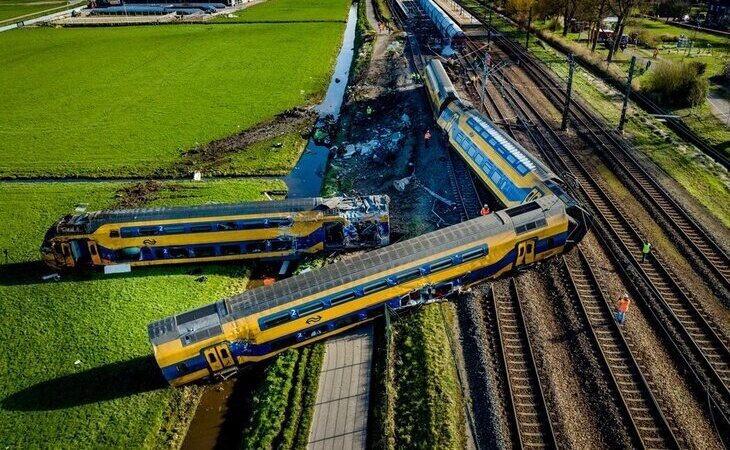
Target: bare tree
(622, 9)
(599, 21)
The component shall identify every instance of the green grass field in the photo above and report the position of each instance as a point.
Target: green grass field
(292, 11)
(12, 11)
(70, 108)
(115, 397)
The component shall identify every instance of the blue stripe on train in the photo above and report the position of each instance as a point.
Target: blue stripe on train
(240, 348)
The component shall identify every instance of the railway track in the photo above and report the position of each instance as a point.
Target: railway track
(616, 153)
(612, 149)
(691, 329)
(647, 424)
(530, 420)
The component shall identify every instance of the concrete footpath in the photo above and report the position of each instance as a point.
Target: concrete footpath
(343, 396)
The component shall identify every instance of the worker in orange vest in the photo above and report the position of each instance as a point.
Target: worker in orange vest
(622, 307)
(485, 210)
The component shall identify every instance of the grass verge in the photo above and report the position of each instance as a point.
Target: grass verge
(78, 371)
(429, 407)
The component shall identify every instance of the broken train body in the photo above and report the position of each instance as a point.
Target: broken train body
(270, 230)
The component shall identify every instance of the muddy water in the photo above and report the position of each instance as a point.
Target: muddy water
(223, 410)
(306, 179)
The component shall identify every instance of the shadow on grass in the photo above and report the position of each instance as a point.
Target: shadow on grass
(107, 382)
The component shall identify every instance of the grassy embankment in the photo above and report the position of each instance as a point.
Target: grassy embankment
(284, 401)
(12, 11)
(114, 396)
(167, 89)
(707, 182)
(707, 49)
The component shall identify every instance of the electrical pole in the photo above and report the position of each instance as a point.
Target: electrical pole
(529, 22)
(626, 96)
(566, 110)
(484, 82)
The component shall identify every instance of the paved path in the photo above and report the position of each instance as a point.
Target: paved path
(341, 411)
(719, 106)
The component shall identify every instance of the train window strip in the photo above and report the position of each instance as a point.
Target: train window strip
(530, 226)
(198, 227)
(310, 308)
(473, 254)
(375, 287)
(441, 265)
(409, 276)
(278, 319)
(521, 209)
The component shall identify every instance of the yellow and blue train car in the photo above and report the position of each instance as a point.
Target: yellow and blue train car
(509, 171)
(215, 340)
(283, 229)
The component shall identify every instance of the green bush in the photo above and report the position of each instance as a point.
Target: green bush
(677, 84)
(699, 67)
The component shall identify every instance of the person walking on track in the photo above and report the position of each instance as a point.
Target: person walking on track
(622, 307)
(645, 250)
(427, 137)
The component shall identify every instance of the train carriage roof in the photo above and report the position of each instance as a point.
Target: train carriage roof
(359, 267)
(371, 263)
(93, 220)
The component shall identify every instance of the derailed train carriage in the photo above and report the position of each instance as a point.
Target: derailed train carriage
(509, 171)
(271, 230)
(215, 340)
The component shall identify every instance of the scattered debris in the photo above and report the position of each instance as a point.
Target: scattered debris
(77, 362)
(402, 183)
(52, 277)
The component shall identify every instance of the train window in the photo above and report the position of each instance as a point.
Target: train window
(281, 246)
(212, 358)
(346, 321)
(224, 353)
(521, 169)
(126, 232)
(375, 287)
(511, 159)
(441, 265)
(550, 242)
(277, 320)
(92, 248)
(479, 159)
(496, 177)
(252, 224)
(204, 252)
(173, 229)
(182, 368)
(342, 298)
(230, 249)
(256, 247)
(113, 233)
(409, 276)
(160, 253)
(149, 231)
(472, 254)
(225, 226)
(179, 252)
(200, 228)
(309, 309)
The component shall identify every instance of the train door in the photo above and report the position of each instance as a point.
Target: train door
(218, 357)
(67, 256)
(93, 251)
(80, 252)
(525, 253)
